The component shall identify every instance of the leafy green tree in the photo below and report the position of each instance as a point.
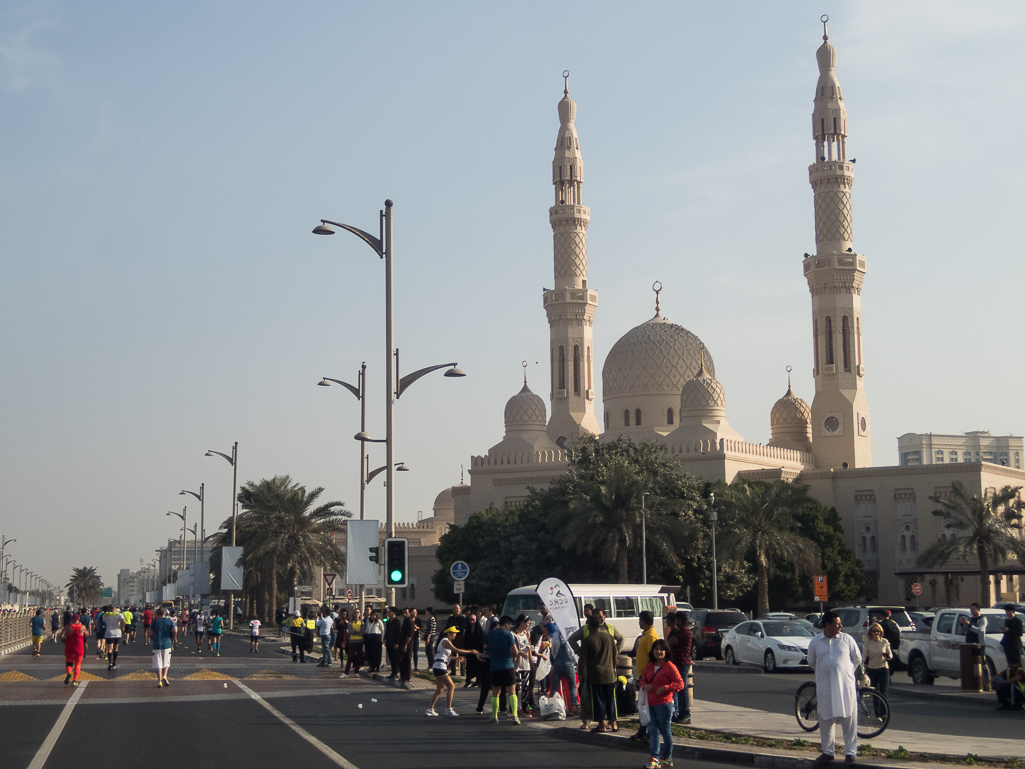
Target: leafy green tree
(983, 528)
(764, 527)
(85, 584)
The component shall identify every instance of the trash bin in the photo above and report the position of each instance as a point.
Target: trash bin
(972, 660)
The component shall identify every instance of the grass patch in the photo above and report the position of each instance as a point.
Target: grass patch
(799, 743)
(971, 759)
(865, 749)
(775, 743)
(741, 740)
(901, 752)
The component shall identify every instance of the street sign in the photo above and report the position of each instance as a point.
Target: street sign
(460, 570)
(458, 586)
(106, 592)
(821, 587)
(348, 593)
(329, 581)
(916, 589)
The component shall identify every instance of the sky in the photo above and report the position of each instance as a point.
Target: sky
(162, 167)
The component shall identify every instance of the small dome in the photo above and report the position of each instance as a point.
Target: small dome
(525, 409)
(444, 502)
(567, 109)
(702, 392)
(656, 357)
(790, 411)
(826, 56)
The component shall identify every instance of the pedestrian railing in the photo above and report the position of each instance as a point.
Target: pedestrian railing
(15, 628)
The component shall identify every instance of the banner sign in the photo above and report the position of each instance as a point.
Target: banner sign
(557, 596)
(231, 568)
(360, 536)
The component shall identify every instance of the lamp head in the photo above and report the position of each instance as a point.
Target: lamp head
(209, 454)
(323, 383)
(401, 468)
(323, 229)
(455, 371)
(363, 436)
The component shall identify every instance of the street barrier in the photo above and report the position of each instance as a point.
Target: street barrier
(15, 628)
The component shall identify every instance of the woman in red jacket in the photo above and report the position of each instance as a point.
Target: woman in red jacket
(659, 680)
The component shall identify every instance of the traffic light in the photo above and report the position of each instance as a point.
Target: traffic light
(375, 555)
(396, 562)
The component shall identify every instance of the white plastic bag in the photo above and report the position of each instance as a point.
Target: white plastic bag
(642, 708)
(544, 667)
(553, 708)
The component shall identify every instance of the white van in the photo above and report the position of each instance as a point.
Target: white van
(623, 604)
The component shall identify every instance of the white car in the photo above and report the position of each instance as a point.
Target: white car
(771, 643)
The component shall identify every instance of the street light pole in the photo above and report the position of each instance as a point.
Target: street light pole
(714, 517)
(202, 515)
(233, 460)
(644, 539)
(4, 542)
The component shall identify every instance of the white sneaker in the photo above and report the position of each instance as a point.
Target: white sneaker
(449, 712)
(430, 712)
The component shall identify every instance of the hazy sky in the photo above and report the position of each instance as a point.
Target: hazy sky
(162, 165)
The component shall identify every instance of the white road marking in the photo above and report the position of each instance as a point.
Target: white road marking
(332, 755)
(51, 739)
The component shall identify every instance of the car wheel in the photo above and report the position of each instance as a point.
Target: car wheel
(919, 672)
(770, 662)
(731, 658)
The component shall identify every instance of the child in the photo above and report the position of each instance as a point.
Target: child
(254, 634)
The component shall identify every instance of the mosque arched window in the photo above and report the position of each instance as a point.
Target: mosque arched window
(903, 543)
(829, 341)
(562, 367)
(637, 417)
(815, 336)
(669, 417)
(626, 417)
(845, 342)
(576, 369)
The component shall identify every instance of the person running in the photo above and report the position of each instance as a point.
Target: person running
(114, 630)
(129, 625)
(73, 636)
(87, 622)
(55, 625)
(147, 620)
(254, 634)
(38, 631)
(442, 680)
(501, 649)
(213, 636)
(199, 627)
(174, 620)
(162, 635)
(101, 635)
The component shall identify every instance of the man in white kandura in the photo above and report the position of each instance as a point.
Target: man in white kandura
(835, 657)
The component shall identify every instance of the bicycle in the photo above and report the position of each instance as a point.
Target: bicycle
(873, 710)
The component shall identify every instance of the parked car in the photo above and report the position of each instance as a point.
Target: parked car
(922, 619)
(856, 619)
(815, 619)
(936, 652)
(784, 615)
(772, 644)
(708, 627)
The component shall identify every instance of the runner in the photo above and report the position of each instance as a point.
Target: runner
(213, 636)
(254, 634)
(74, 636)
(500, 646)
(87, 622)
(162, 634)
(38, 631)
(199, 625)
(442, 679)
(174, 620)
(129, 627)
(101, 634)
(147, 619)
(55, 625)
(115, 626)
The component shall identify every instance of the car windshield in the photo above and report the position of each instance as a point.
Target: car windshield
(721, 619)
(792, 629)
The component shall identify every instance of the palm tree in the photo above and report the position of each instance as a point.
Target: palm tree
(762, 518)
(85, 584)
(285, 533)
(986, 529)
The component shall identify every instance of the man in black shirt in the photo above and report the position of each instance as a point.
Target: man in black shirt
(1012, 636)
(891, 632)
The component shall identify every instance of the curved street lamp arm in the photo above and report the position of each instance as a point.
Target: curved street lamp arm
(211, 452)
(366, 237)
(408, 379)
(183, 491)
(351, 388)
(171, 512)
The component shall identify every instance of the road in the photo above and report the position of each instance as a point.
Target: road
(775, 693)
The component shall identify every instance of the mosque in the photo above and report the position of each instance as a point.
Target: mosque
(658, 383)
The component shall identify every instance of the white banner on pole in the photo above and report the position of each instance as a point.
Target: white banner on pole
(557, 596)
(231, 569)
(360, 536)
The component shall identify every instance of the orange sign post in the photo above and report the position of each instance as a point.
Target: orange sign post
(821, 588)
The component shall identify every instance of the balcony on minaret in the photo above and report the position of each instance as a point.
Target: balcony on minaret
(570, 296)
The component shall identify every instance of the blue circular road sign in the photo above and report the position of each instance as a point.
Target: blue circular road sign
(460, 570)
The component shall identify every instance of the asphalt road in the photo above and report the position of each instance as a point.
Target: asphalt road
(208, 724)
(775, 693)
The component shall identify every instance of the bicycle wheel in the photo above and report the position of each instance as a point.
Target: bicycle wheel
(873, 713)
(806, 707)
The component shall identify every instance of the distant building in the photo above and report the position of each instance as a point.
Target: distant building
(975, 446)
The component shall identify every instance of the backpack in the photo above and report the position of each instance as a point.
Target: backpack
(626, 698)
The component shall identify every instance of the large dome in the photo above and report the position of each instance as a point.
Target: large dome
(525, 409)
(657, 357)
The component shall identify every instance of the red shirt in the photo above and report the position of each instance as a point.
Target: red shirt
(74, 640)
(147, 617)
(667, 676)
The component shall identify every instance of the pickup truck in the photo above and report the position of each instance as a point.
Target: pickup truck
(936, 651)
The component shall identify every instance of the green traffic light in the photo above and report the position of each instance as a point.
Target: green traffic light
(396, 576)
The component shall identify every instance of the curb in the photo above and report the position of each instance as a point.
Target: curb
(15, 647)
(987, 700)
(729, 669)
(722, 755)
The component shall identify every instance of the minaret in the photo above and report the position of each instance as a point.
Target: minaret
(570, 305)
(841, 427)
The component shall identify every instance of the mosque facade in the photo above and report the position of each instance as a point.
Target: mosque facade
(658, 383)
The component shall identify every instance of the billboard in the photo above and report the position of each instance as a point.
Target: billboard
(360, 536)
(231, 568)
